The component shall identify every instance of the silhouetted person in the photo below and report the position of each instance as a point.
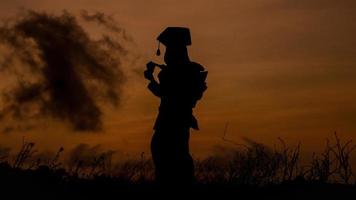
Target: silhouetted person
(180, 85)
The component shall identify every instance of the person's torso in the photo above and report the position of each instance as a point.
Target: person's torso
(178, 86)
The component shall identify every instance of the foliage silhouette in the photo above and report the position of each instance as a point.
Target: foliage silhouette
(256, 167)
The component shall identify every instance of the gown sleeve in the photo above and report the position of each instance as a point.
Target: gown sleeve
(155, 88)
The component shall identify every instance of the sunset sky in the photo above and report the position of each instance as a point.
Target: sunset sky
(277, 68)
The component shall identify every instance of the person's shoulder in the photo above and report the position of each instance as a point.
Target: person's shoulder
(196, 66)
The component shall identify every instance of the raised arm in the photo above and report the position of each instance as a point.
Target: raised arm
(153, 86)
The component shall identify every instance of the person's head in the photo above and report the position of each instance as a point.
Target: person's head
(176, 40)
(176, 55)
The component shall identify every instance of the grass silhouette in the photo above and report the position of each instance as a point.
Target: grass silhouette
(255, 167)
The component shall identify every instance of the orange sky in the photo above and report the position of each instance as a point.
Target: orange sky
(277, 68)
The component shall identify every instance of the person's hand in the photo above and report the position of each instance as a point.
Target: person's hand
(148, 75)
(149, 71)
(150, 66)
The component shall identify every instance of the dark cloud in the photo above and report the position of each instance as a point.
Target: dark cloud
(63, 73)
(106, 21)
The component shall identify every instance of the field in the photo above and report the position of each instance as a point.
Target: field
(253, 171)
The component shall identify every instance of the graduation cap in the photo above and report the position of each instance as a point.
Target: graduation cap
(174, 36)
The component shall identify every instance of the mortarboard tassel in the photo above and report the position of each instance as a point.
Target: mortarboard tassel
(158, 53)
